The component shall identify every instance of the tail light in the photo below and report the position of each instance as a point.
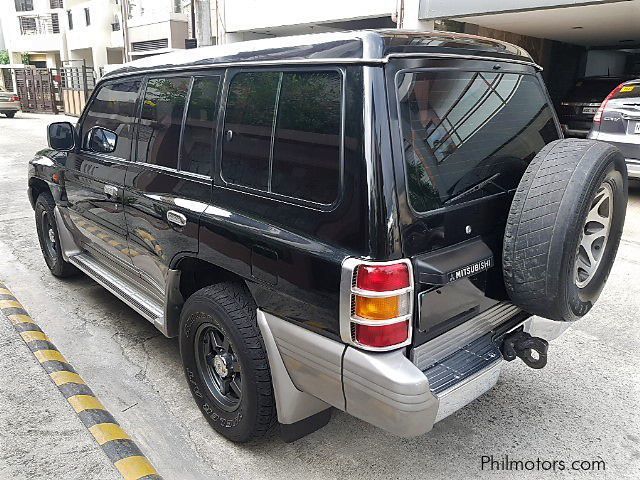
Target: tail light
(376, 304)
(14, 98)
(598, 116)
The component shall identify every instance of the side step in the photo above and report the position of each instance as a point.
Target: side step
(125, 290)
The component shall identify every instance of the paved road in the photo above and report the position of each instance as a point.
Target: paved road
(584, 405)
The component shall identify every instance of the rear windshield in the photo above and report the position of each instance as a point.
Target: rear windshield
(630, 90)
(469, 134)
(592, 90)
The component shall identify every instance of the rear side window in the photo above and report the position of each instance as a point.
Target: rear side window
(306, 147)
(469, 134)
(251, 104)
(113, 108)
(199, 132)
(161, 121)
(283, 133)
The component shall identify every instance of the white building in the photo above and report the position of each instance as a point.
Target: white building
(55, 33)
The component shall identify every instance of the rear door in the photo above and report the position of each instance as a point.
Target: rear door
(620, 121)
(94, 182)
(169, 185)
(465, 132)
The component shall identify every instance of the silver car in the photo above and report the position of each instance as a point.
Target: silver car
(9, 102)
(617, 122)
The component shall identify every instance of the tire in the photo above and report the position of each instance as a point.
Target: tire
(10, 114)
(49, 238)
(545, 267)
(227, 311)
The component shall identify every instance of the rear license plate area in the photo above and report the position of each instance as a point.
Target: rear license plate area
(589, 110)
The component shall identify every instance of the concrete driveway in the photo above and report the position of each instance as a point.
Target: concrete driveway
(585, 405)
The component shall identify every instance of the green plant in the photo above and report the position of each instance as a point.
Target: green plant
(4, 57)
(26, 58)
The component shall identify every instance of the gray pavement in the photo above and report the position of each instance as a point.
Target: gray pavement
(585, 405)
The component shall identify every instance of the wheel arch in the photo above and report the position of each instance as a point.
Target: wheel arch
(36, 187)
(187, 275)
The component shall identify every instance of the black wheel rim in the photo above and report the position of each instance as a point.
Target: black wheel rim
(48, 235)
(218, 366)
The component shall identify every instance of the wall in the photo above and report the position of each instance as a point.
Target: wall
(265, 14)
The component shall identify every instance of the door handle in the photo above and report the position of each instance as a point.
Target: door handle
(176, 218)
(111, 191)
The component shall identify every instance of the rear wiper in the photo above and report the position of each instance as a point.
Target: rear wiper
(475, 188)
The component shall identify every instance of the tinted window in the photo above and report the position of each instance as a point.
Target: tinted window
(199, 129)
(592, 90)
(469, 134)
(306, 148)
(247, 128)
(161, 120)
(113, 108)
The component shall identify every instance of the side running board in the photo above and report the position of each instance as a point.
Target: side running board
(125, 290)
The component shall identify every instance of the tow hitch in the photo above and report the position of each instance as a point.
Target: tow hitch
(532, 350)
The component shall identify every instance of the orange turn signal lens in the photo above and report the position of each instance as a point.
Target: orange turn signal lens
(378, 308)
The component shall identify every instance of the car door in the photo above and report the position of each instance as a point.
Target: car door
(94, 180)
(169, 185)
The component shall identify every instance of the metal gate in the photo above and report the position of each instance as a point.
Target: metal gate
(77, 85)
(37, 90)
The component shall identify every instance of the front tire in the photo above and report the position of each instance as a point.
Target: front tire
(226, 363)
(49, 238)
(10, 114)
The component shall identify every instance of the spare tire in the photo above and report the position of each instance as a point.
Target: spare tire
(564, 228)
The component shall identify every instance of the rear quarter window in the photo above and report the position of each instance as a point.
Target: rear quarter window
(467, 135)
(282, 133)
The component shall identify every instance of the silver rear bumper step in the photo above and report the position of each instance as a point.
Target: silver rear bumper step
(125, 290)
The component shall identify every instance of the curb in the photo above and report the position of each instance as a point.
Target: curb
(114, 441)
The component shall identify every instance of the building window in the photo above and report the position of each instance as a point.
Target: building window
(28, 25)
(24, 5)
(55, 23)
(56, 4)
(115, 26)
(70, 19)
(87, 17)
(177, 6)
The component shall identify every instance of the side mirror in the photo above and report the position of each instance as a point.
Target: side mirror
(61, 136)
(101, 140)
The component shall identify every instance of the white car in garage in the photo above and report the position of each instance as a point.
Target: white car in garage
(9, 102)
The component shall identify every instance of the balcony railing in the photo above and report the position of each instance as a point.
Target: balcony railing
(39, 24)
(53, 4)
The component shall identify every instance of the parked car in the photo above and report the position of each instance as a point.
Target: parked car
(617, 122)
(581, 104)
(363, 220)
(9, 102)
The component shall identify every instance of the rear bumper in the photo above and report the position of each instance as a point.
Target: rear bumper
(633, 168)
(9, 106)
(387, 390)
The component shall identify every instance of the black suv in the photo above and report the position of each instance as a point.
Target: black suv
(363, 220)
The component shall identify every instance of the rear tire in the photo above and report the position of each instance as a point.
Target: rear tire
(49, 238)
(226, 363)
(10, 114)
(547, 270)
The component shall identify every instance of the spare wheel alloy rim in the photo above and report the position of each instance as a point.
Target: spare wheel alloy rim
(594, 235)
